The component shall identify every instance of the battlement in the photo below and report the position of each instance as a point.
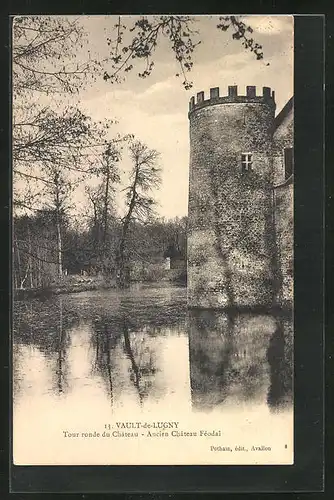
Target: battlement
(267, 97)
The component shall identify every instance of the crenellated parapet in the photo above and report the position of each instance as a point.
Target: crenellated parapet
(267, 97)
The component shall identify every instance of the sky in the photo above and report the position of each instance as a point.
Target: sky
(155, 109)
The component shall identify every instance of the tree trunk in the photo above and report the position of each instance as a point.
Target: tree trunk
(105, 221)
(19, 277)
(122, 278)
(59, 248)
(25, 277)
(105, 208)
(96, 229)
(30, 260)
(39, 278)
(59, 240)
(15, 279)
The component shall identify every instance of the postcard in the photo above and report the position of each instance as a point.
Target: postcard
(153, 236)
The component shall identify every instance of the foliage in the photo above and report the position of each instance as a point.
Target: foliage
(146, 36)
(242, 33)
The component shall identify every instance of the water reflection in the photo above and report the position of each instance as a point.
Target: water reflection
(240, 358)
(117, 338)
(280, 359)
(142, 348)
(45, 326)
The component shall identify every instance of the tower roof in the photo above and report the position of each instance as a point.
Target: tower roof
(283, 113)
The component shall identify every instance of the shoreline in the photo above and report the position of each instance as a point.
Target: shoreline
(33, 293)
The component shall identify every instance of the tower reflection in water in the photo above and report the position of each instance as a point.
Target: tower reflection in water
(145, 356)
(239, 359)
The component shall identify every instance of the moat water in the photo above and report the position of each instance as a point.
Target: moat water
(140, 354)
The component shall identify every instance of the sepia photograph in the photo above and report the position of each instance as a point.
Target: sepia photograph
(153, 239)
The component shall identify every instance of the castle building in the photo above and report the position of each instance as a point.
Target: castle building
(240, 213)
(283, 200)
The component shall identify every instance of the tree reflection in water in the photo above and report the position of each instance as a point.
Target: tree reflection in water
(124, 333)
(61, 357)
(138, 340)
(239, 358)
(46, 326)
(142, 358)
(105, 337)
(234, 358)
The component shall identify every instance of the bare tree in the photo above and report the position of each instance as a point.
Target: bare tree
(53, 145)
(109, 171)
(45, 63)
(102, 201)
(145, 175)
(44, 55)
(45, 48)
(94, 196)
(58, 191)
(70, 139)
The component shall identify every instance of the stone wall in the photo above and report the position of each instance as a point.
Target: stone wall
(283, 205)
(284, 239)
(282, 138)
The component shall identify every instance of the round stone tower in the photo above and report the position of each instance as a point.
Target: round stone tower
(231, 241)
